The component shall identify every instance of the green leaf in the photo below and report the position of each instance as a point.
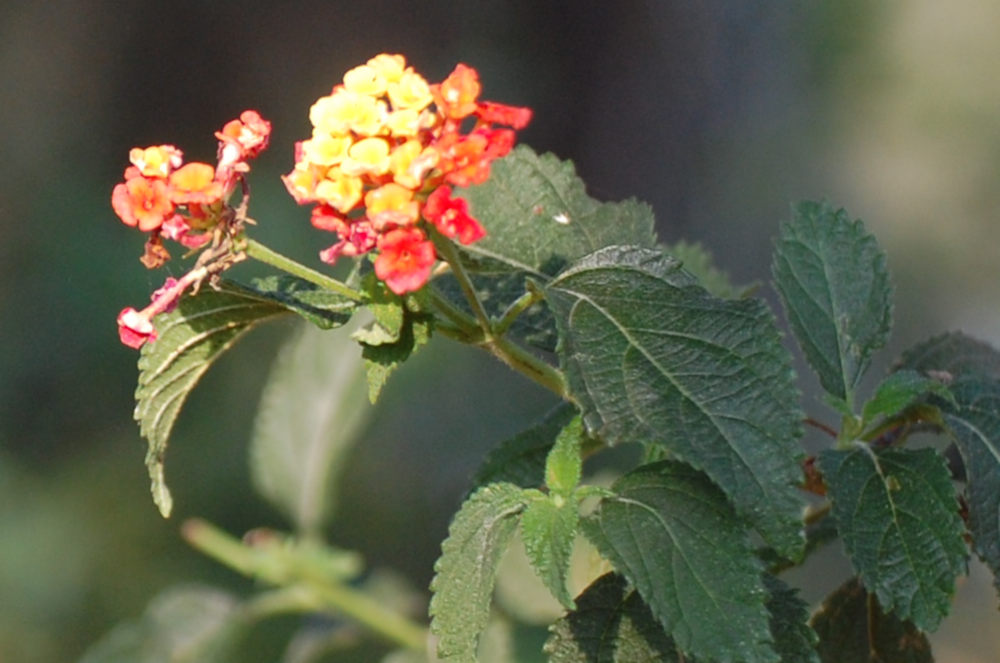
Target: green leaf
(389, 312)
(539, 218)
(311, 411)
(952, 355)
(548, 529)
(697, 260)
(974, 423)
(564, 465)
(794, 639)
(673, 535)
(382, 359)
(466, 570)
(520, 460)
(189, 339)
(651, 357)
(180, 625)
(900, 390)
(323, 308)
(834, 283)
(898, 517)
(846, 620)
(610, 625)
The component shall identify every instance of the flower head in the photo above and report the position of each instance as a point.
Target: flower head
(384, 141)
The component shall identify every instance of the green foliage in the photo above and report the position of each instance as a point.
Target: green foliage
(794, 640)
(675, 537)
(548, 529)
(833, 281)
(974, 423)
(520, 460)
(610, 625)
(853, 628)
(652, 357)
(310, 413)
(897, 514)
(383, 358)
(194, 335)
(900, 390)
(952, 355)
(541, 219)
(466, 570)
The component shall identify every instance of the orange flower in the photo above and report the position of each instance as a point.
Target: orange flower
(456, 96)
(405, 259)
(194, 183)
(143, 202)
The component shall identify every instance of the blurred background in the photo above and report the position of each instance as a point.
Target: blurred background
(718, 113)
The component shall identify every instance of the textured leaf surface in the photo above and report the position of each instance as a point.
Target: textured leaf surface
(794, 639)
(610, 625)
(564, 465)
(182, 625)
(520, 460)
(900, 390)
(323, 308)
(466, 571)
(673, 535)
(311, 411)
(953, 354)
(898, 517)
(548, 529)
(650, 357)
(974, 423)
(843, 627)
(190, 339)
(834, 283)
(539, 218)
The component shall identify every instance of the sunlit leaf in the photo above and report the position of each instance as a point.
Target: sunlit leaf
(466, 571)
(548, 529)
(900, 390)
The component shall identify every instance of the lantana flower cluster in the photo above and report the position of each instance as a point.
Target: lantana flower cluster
(184, 202)
(385, 150)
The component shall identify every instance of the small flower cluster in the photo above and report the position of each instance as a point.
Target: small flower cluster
(188, 203)
(385, 149)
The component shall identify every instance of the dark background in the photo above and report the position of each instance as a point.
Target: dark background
(719, 114)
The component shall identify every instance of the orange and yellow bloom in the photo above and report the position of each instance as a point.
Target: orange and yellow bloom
(385, 145)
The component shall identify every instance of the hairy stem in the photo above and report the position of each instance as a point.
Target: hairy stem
(258, 251)
(310, 593)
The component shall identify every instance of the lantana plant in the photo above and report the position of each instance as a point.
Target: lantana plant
(454, 232)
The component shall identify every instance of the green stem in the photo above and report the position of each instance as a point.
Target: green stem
(490, 339)
(258, 251)
(446, 249)
(316, 594)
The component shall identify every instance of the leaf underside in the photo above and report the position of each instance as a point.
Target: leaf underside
(651, 357)
(192, 336)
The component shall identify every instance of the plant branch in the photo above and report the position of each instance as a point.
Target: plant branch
(308, 592)
(258, 251)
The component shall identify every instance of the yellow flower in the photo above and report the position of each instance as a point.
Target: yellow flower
(391, 203)
(368, 156)
(324, 149)
(390, 67)
(345, 111)
(340, 191)
(365, 79)
(410, 91)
